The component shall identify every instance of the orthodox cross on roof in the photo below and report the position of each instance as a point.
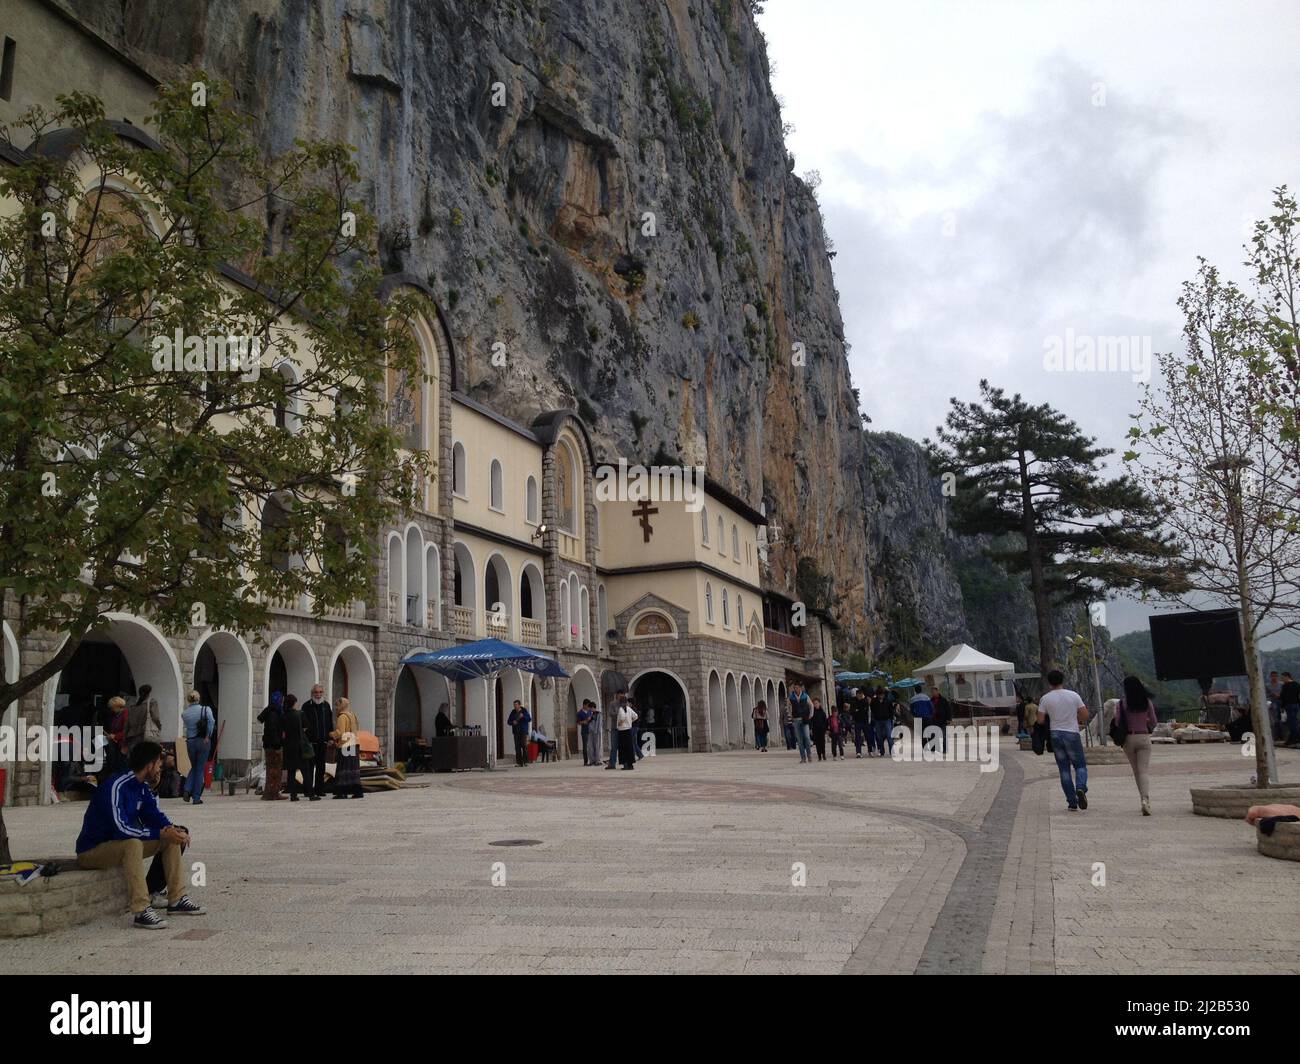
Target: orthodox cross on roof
(643, 512)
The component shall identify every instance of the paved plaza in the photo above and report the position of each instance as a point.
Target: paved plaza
(687, 865)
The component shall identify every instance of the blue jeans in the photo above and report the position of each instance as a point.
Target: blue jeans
(1067, 747)
(804, 740)
(1293, 731)
(860, 732)
(198, 749)
(789, 736)
(884, 730)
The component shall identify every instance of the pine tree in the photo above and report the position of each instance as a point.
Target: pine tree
(1027, 472)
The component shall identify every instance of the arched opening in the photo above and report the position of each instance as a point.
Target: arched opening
(497, 495)
(746, 707)
(288, 403)
(413, 604)
(661, 700)
(352, 676)
(581, 685)
(584, 617)
(120, 660)
(458, 470)
(465, 590)
(733, 711)
(498, 597)
(417, 694)
(223, 677)
(291, 668)
(602, 616)
(395, 582)
(532, 606)
(717, 715)
(575, 610)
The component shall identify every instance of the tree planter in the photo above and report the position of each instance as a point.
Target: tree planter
(1284, 843)
(1231, 802)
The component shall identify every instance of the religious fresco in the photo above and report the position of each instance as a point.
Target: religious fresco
(405, 416)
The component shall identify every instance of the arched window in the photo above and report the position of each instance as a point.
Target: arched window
(498, 493)
(726, 610)
(704, 526)
(722, 546)
(458, 470)
(708, 602)
(289, 403)
(740, 613)
(735, 543)
(531, 500)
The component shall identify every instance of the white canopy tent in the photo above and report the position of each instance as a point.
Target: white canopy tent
(969, 676)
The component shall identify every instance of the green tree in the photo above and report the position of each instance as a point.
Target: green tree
(127, 485)
(1027, 471)
(1211, 443)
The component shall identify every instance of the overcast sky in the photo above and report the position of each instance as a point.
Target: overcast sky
(1001, 178)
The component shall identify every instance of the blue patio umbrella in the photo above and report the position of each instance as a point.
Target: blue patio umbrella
(911, 681)
(486, 657)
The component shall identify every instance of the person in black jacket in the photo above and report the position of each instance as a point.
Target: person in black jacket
(882, 720)
(295, 735)
(861, 708)
(318, 718)
(818, 724)
(272, 721)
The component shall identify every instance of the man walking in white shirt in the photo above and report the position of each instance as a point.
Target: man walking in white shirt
(1063, 711)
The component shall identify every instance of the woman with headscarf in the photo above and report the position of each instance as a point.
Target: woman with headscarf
(295, 738)
(347, 773)
(273, 746)
(1136, 714)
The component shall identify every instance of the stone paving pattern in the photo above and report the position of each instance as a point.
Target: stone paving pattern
(685, 865)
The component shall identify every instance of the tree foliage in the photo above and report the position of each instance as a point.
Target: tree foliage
(1028, 474)
(129, 485)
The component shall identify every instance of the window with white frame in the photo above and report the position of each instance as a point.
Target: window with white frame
(531, 500)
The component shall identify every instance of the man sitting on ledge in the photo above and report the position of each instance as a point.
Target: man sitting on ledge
(123, 825)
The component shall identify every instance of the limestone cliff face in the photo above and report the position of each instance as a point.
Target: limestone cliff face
(602, 187)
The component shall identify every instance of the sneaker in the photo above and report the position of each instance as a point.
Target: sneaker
(1083, 799)
(185, 907)
(1071, 808)
(185, 797)
(149, 920)
(1146, 806)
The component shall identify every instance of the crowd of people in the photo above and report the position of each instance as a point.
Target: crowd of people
(864, 716)
(312, 748)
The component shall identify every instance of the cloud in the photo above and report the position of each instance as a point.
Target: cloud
(1037, 224)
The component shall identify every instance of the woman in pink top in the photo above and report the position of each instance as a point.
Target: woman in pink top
(1138, 713)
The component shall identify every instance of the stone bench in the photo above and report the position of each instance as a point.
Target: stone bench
(1231, 803)
(74, 896)
(1284, 843)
